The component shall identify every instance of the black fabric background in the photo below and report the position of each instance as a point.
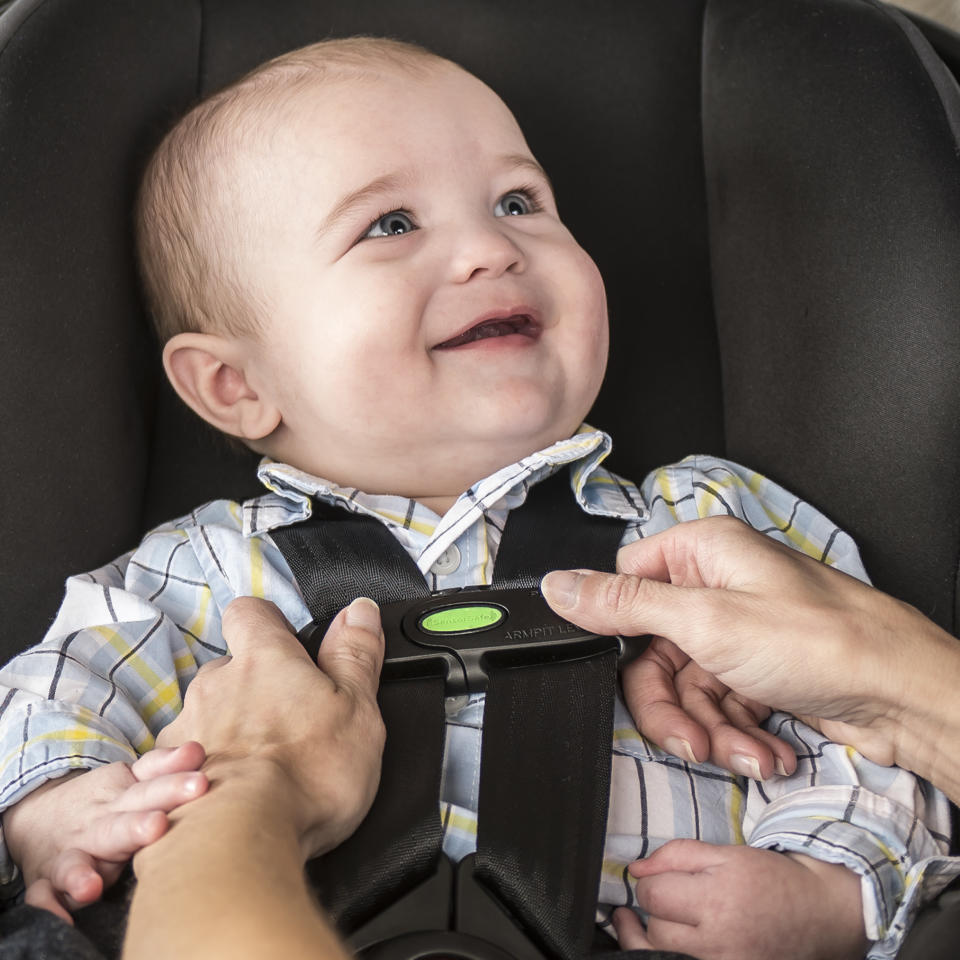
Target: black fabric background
(834, 201)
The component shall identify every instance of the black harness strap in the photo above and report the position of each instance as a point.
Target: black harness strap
(545, 761)
(397, 846)
(551, 532)
(544, 788)
(337, 556)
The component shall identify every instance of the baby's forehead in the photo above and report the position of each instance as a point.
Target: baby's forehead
(341, 109)
(331, 131)
(420, 85)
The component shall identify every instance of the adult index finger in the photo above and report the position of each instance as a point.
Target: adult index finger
(249, 621)
(624, 604)
(709, 552)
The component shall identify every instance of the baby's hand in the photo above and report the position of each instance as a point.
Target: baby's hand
(73, 836)
(689, 713)
(741, 903)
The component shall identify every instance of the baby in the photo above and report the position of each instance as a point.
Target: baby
(358, 269)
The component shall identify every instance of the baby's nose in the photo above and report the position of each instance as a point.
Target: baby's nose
(486, 250)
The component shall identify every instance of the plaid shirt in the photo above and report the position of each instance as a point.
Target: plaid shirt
(129, 637)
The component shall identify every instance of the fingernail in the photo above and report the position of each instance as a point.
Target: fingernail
(562, 588)
(193, 783)
(679, 748)
(779, 767)
(746, 766)
(364, 614)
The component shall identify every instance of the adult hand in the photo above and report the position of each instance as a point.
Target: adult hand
(779, 629)
(316, 733)
(293, 760)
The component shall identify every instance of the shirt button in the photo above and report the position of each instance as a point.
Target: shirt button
(447, 562)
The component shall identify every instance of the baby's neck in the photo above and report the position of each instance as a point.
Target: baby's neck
(439, 505)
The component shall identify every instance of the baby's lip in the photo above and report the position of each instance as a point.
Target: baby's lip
(521, 320)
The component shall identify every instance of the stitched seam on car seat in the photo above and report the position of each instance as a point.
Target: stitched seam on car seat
(944, 83)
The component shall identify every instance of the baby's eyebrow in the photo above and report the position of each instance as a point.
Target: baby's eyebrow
(520, 161)
(356, 198)
(392, 182)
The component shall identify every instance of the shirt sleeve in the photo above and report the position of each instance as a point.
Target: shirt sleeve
(128, 639)
(884, 823)
(112, 669)
(703, 486)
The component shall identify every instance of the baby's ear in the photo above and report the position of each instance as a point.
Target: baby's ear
(211, 375)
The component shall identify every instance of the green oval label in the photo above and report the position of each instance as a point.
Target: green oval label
(464, 619)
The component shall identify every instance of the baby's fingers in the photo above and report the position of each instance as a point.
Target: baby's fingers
(75, 880)
(649, 687)
(164, 760)
(674, 897)
(41, 894)
(681, 856)
(116, 837)
(731, 746)
(630, 932)
(163, 793)
(744, 715)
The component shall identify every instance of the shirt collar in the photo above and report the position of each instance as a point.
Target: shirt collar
(597, 490)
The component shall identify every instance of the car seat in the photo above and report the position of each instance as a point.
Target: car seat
(770, 190)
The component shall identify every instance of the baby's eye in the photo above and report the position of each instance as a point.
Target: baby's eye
(391, 225)
(515, 204)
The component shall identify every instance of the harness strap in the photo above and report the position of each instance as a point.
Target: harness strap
(551, 532)
(398, 844)
(337, 556)
(545, 761)
(544, 788)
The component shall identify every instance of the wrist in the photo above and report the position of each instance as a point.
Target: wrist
(927, 715)
(843, 921)
(230, 870)
(264, 789)
(246, 803)
(25, 824)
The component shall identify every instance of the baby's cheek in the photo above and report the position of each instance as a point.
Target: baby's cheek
(592, 302)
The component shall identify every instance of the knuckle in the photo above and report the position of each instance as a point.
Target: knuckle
(200, 684)
(356, 656)
(725, 525)
(377, 730)
(654, 899)
(241, 606)
(250, 611)
(622, 592)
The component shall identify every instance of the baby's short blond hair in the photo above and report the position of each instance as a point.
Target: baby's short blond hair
(188, 227)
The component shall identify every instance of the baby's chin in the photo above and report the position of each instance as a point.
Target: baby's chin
(436, 457)
(530, 412)
(474, 459)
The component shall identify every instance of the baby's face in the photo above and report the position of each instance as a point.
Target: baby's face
(429, 317)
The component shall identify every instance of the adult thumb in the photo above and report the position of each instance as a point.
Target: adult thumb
(352, 650)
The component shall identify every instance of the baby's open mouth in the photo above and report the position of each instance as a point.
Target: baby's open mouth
(496, 327)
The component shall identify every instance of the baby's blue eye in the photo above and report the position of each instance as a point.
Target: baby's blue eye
(513, 205)
(391, 225)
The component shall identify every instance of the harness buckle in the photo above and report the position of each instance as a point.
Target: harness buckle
(463, 633)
